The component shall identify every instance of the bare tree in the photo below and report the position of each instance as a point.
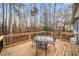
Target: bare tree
(34, 11)
(10, 23)
(49, 15)
(3, 27)
(6, 21)
(54, 14)
(26, 14)
(14, 24)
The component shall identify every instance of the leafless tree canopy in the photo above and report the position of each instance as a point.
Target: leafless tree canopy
(21, 17)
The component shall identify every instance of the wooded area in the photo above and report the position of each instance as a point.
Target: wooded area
(20, 18)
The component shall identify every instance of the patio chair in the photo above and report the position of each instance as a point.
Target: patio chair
(73, 40)
(41, 45)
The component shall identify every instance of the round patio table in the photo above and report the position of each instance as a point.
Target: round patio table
(42, 41)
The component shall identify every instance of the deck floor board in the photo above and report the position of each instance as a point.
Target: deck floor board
(63, 48)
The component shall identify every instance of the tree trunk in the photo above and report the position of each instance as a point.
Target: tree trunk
(54, 22)
(6, 21)
(10, 23)
(3, 27)
(19, 19)
(49, 16)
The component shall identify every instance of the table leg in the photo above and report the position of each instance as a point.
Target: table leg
(46, 50)
(32, 44)
(36, 49)
(54, 47)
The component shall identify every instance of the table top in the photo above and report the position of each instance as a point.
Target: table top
(44, 38)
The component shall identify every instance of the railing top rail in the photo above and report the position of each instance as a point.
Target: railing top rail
(67, 33)
(20, 34)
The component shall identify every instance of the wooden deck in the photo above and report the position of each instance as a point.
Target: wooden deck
(63, 48)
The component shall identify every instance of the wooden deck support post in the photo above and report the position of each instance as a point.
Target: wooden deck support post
(60, 36)
(29, 36)
(4, 42)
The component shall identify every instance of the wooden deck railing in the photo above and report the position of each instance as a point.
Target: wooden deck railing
(1, 43)
(66, 35)
(15, 39)
(24, 37)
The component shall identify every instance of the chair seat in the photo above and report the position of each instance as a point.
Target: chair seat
(41, 45)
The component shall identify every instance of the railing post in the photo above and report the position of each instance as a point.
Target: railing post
(29, 36)
(60, 36)
(36, 33)
(51, 34)
(4, 43)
